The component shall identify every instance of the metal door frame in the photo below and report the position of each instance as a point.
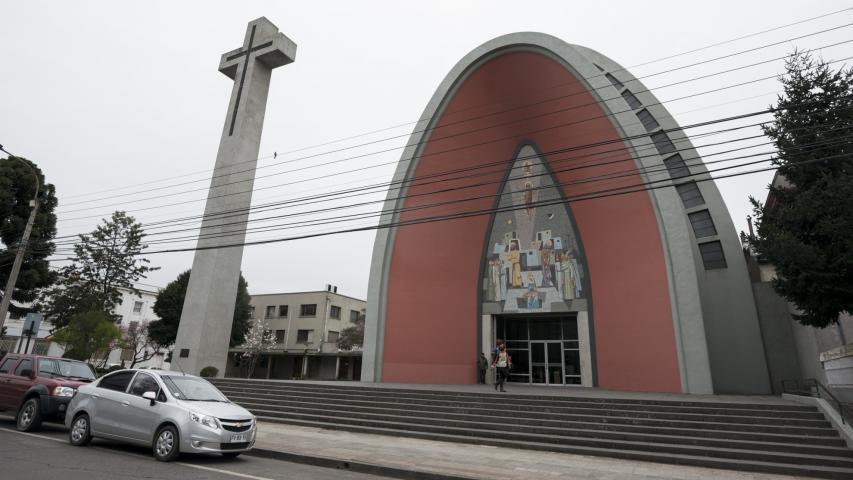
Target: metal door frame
(547, 363)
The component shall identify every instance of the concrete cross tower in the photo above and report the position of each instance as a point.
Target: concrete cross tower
(208, 310)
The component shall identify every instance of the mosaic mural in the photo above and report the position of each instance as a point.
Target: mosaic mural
(533, 257)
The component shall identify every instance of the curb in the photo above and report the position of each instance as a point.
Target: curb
(359, 467)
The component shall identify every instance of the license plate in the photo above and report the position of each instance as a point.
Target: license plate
(238, 438)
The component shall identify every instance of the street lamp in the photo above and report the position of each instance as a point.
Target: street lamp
(22, 245)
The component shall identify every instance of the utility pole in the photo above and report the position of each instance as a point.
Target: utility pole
(22, 245)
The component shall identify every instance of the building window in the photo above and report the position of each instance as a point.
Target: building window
(335, 312)
(137, 307)
(631, 99)
(333, 337)
(662, 143)
(616, 83)
(304, 336)
(270, 312)
(251, 311)
(268, 336)
(676, 166)
(282, 311)
(127, 355)
(690, 194)
(353, 316)
(703, 224)
(309, 310)
(648, 120)
(712, 255)
(279, 336)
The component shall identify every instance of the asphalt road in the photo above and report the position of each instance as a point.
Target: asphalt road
(47, 455)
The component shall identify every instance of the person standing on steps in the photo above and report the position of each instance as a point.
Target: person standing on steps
(503, 362)
(482, 365)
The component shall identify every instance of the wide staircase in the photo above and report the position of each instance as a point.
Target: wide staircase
(771, 437)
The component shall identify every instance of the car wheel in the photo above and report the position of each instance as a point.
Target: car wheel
(231, 454)
(80, 433)
(29, 416)
(166, 445)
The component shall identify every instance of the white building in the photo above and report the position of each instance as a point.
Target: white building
(133, 311)
(305, 327)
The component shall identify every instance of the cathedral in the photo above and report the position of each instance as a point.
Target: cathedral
(548, 199)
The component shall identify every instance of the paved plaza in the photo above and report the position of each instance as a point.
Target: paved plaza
(471, 461)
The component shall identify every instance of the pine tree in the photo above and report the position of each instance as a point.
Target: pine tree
(17, 189)
(806, 231)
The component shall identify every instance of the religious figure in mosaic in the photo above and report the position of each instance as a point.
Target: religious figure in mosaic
(495, 278)
(531, 263)
(514, 257)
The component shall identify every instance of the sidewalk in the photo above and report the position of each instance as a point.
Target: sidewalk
(428, 459)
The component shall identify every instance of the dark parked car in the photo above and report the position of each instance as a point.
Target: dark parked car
(39, 388)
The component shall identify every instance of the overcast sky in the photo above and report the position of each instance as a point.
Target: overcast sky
(118, 98)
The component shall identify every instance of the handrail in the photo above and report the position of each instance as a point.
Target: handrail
(812, 387)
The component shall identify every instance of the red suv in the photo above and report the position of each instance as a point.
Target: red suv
(39, 388)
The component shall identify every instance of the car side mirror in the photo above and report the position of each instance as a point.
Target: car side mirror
(150, 396)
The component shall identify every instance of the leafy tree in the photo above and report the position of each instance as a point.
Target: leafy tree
(88, 334)
(170, 303)
(17, 189)
(104, 261)
(806, 229)
(352, 337)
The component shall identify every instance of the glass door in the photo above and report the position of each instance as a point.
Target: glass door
(546, 362)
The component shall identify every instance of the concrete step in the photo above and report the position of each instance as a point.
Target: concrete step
(509, 403)
(818, 422)
(814, 468)
(498, 426)
(772, 426)
(402, 393)
(772, 437)
(509, 420)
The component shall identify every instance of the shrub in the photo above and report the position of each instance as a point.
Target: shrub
(209, 372)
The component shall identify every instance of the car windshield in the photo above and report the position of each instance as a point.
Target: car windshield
(193, 388)
(65, 368)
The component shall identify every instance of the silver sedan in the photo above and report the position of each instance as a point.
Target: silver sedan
(167, 411)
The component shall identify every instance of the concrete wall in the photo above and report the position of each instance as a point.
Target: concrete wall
(778, 333)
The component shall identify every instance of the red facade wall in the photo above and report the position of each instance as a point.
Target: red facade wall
(434, 277)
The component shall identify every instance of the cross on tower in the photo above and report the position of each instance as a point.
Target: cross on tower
(275, 51)
(208, 311)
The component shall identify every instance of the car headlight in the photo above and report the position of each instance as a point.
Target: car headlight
(64, 392)
(205, 420)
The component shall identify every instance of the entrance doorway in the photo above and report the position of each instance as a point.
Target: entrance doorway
(545, 349)
(546, 362)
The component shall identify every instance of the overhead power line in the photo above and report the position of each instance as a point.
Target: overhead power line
(582, 91)
(431, 153)
(646, 170)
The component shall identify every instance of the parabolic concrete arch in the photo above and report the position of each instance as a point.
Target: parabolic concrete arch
(651, 281)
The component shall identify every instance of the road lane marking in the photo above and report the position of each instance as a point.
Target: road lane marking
(60, 440)
(226, 472)
(200, 467)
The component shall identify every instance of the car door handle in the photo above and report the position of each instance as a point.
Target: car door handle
(125, 403)
(96, 395)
